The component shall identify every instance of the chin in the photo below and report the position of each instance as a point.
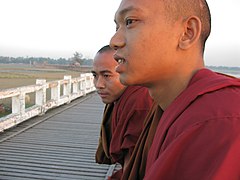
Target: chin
(105, 101)
(128, 81)
(125, 81)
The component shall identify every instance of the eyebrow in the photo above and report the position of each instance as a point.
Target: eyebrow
(126, 10)
(102, 72)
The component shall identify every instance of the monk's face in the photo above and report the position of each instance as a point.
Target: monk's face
(106, 79)
(145, 43)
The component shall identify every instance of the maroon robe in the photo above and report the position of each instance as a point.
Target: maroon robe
(198, 135)
(126, 117)
(127, 120)
(136, 166)
(102, 155)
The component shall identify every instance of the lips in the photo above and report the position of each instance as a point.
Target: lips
(121, 61)
(102, 94)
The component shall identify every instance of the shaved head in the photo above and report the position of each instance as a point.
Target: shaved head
(104, 49)
(176, 9)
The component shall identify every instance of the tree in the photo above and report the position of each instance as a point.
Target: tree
(77, 58)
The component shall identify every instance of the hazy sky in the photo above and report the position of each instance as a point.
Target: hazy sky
(58, 28)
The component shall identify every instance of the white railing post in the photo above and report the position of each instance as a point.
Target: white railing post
(41, 94)
(91, 83)
(55, 91)
(67, 87)
(75, 87)
(83, 84)
(87, 83)
(18, 104)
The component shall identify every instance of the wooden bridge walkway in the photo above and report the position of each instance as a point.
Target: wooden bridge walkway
(59, 145)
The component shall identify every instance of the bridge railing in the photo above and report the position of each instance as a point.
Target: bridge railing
(61, 92)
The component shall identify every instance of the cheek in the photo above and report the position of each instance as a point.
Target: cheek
(138, 48)
(116, 85)
(113, 85)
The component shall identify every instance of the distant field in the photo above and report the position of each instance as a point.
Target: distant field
(233, 71)
(16, 75)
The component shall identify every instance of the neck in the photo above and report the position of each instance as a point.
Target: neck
(164, 93)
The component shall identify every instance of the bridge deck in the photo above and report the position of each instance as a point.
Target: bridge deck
(58, 145)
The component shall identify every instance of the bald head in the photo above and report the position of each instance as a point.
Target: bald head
(106, 79)
(105, 49)
(176, 9)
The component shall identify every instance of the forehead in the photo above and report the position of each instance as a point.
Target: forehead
(126, 6)
(141, 6)
(104, 62)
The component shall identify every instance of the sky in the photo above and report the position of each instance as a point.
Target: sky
(59, 28)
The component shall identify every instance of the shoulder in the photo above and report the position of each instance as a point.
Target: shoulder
(218, 107)
(132, 90)
(209, 96)
(224, 101)
(137, 96)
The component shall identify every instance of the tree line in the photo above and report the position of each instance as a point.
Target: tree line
(77, 58)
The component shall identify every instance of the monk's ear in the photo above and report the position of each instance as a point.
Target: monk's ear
(191, 32)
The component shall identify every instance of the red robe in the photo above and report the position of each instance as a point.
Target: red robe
(198, 135)
(127, 120)
(136, 166)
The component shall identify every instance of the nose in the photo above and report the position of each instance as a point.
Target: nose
(117, 41)
(99, 83)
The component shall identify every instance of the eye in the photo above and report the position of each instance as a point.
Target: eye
(117, 27)
(95, 76)
(130, 22)
(106, 75)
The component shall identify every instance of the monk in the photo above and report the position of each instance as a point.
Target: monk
(126, 108)
(193, 131)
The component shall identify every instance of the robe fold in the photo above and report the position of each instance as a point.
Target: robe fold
(137, 164)
(121, 126)
(128, 117)
(198, 135)
(102, 155)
